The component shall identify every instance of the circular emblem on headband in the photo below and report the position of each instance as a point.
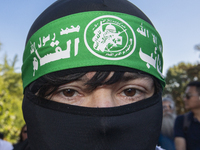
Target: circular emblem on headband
(103, 38)
(109, 37)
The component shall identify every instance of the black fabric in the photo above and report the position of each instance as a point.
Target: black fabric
(63, 8)
(112, 111)
(53, 125)
(187, 121)
(21, 146)
(193, 133)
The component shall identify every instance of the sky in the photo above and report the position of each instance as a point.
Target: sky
(177, 21)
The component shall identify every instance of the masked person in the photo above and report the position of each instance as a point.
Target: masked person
(92, 77)
(22, 137)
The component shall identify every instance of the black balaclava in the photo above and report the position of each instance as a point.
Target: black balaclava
(55, 126)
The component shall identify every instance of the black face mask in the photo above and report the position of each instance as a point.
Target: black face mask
(56, 126)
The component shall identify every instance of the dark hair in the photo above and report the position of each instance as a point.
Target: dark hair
(196, 84)
(21, 135)
(1, 136)
(49, 83)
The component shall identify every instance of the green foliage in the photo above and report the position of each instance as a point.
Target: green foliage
(11, 95)
(177, 78)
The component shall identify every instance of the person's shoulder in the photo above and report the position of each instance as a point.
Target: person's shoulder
(181, 117)
(189, 114)
(5, 142)
(5, 145)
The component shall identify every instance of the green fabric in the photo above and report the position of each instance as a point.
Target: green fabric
(91, 39)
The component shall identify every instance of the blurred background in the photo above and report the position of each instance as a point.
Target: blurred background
(177, 22)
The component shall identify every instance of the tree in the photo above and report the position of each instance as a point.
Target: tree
(177, 78)
(11, 95)
(197, 47)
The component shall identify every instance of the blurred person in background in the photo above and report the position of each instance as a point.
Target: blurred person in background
(4, 145)
(22, 137)
(166, 139)
(187, 126)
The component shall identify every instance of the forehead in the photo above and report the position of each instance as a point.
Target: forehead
(166, 102)
(190, 89)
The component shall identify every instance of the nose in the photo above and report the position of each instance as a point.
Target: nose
(101, 97)
(166, 108)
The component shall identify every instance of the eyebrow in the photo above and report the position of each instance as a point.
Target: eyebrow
(131, 76)
(126, 77)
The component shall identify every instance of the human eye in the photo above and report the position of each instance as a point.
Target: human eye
(129, 92)
(132, 94)
(134, 88)
(68, 92)
(68, 95)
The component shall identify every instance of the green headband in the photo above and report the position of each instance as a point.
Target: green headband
(93, 38)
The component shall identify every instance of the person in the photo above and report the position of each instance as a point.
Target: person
(92, 77)
(187, 126)
(4, 145)
(166, 139)
(22, 137)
